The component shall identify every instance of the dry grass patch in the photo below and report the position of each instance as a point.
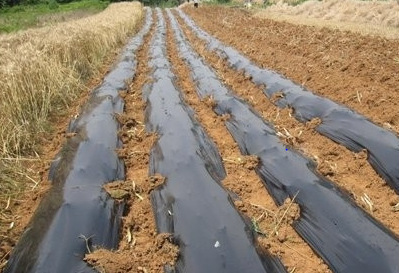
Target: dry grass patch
(366, 17)
(53, 18)
(42, 71)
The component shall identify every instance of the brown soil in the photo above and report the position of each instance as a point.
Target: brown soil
(349, 170)
(333, 64)
(141, 248)
(339, 65)
(242, 180)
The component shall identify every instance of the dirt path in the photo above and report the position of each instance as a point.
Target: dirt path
(320, 63)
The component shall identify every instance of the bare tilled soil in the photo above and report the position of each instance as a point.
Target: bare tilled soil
(241, 179)
(360, 72)
(346, 168)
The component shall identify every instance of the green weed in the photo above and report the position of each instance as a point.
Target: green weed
(24, 16)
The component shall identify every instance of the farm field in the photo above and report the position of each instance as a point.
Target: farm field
(220, 141)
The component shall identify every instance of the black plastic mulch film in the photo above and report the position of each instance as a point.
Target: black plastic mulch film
(77, 214)
(192, 204)
(339, 123)
(346, 237)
